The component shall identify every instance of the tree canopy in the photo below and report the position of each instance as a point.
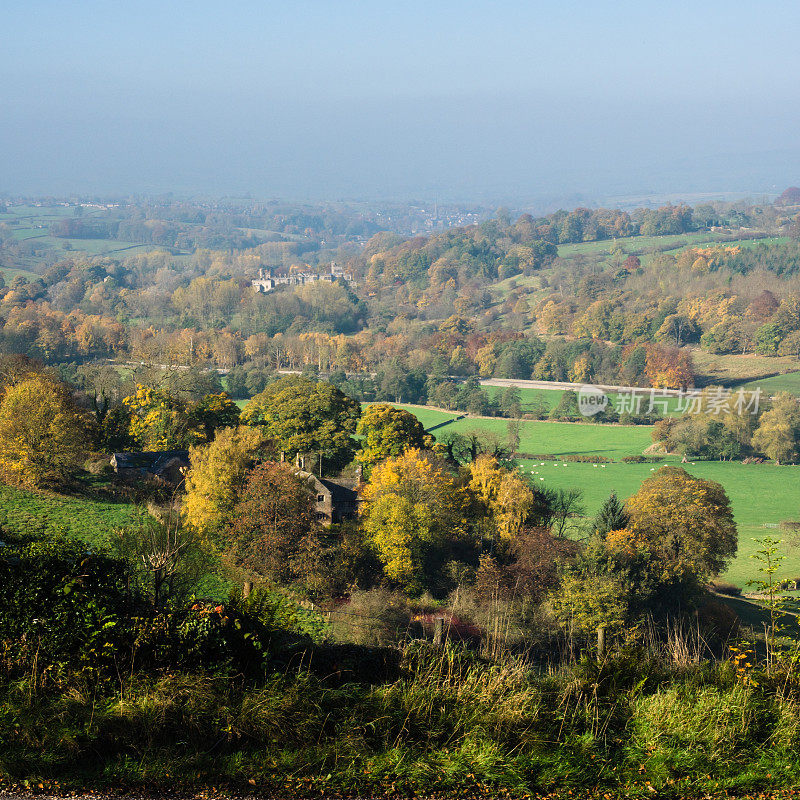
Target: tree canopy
(306, 416)
(218, 473)
(684, 522)
(414, 509)
(43, 435)
(387, 431)
(272, 529)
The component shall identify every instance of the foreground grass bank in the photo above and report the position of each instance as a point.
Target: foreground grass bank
(448, 723)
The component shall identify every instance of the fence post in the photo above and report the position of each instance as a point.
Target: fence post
(438, 631)
(601, 641)
(247, 588)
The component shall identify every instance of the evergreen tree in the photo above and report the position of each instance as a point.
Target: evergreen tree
(612, 516)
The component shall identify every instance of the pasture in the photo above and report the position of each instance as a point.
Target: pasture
(564, 438)
(736, 369)
(91, 520)
(790, 382)
(549, 398)
(32, 224)
(762, 495)
(639, 245)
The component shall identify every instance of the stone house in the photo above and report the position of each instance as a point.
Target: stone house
(164, 467)
(335, 501)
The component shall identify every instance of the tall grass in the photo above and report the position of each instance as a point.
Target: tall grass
(453, 722)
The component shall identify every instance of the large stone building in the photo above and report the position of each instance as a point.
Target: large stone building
(267, 280)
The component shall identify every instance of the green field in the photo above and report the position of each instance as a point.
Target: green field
(10, 273)
(778, 383)
(762, 495)
(93, 521)
(32, 224)
(638, 245)
(734, 370)
(556, 438)
(565, 438)
(551, 397)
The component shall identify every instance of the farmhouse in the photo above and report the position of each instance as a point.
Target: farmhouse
(165, 467)
(335, 501)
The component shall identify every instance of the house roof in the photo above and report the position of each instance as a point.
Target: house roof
(150, 461)
(339, 493)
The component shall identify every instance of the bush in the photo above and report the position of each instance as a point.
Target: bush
(374, 617)
(64, 607)
(70, 611)
(249, 636)
(724, 587)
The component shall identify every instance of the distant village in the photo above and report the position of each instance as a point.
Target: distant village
(267, 281)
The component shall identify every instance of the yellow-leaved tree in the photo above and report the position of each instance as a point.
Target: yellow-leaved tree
(218, 474)
(505, 496)
(43, 435)
(685, 524)
(778, 433)
(413, 514)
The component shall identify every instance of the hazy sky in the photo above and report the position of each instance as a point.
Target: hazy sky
(499, 101)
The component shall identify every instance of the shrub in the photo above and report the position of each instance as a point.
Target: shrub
(724, 587)
(63, 606)
(374, 617)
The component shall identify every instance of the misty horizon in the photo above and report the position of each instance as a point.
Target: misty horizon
(516, 104)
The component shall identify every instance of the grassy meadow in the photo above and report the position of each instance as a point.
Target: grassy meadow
(32, 224)
(790, 382)
(736, 370)
(762, 495)
(637, 245)
(566, 438)
(549, 398)
(92, 520)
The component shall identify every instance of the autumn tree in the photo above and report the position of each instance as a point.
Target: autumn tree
(272, 530)
(778, 432)
(505, 497)
(669, 367)
(678, 532)
(211, 412)
(387, 431)
(413, 514)
(158, 421)
(305, 416)
(685, 524)
(678, 328)
(43, 435)
(218, 474)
